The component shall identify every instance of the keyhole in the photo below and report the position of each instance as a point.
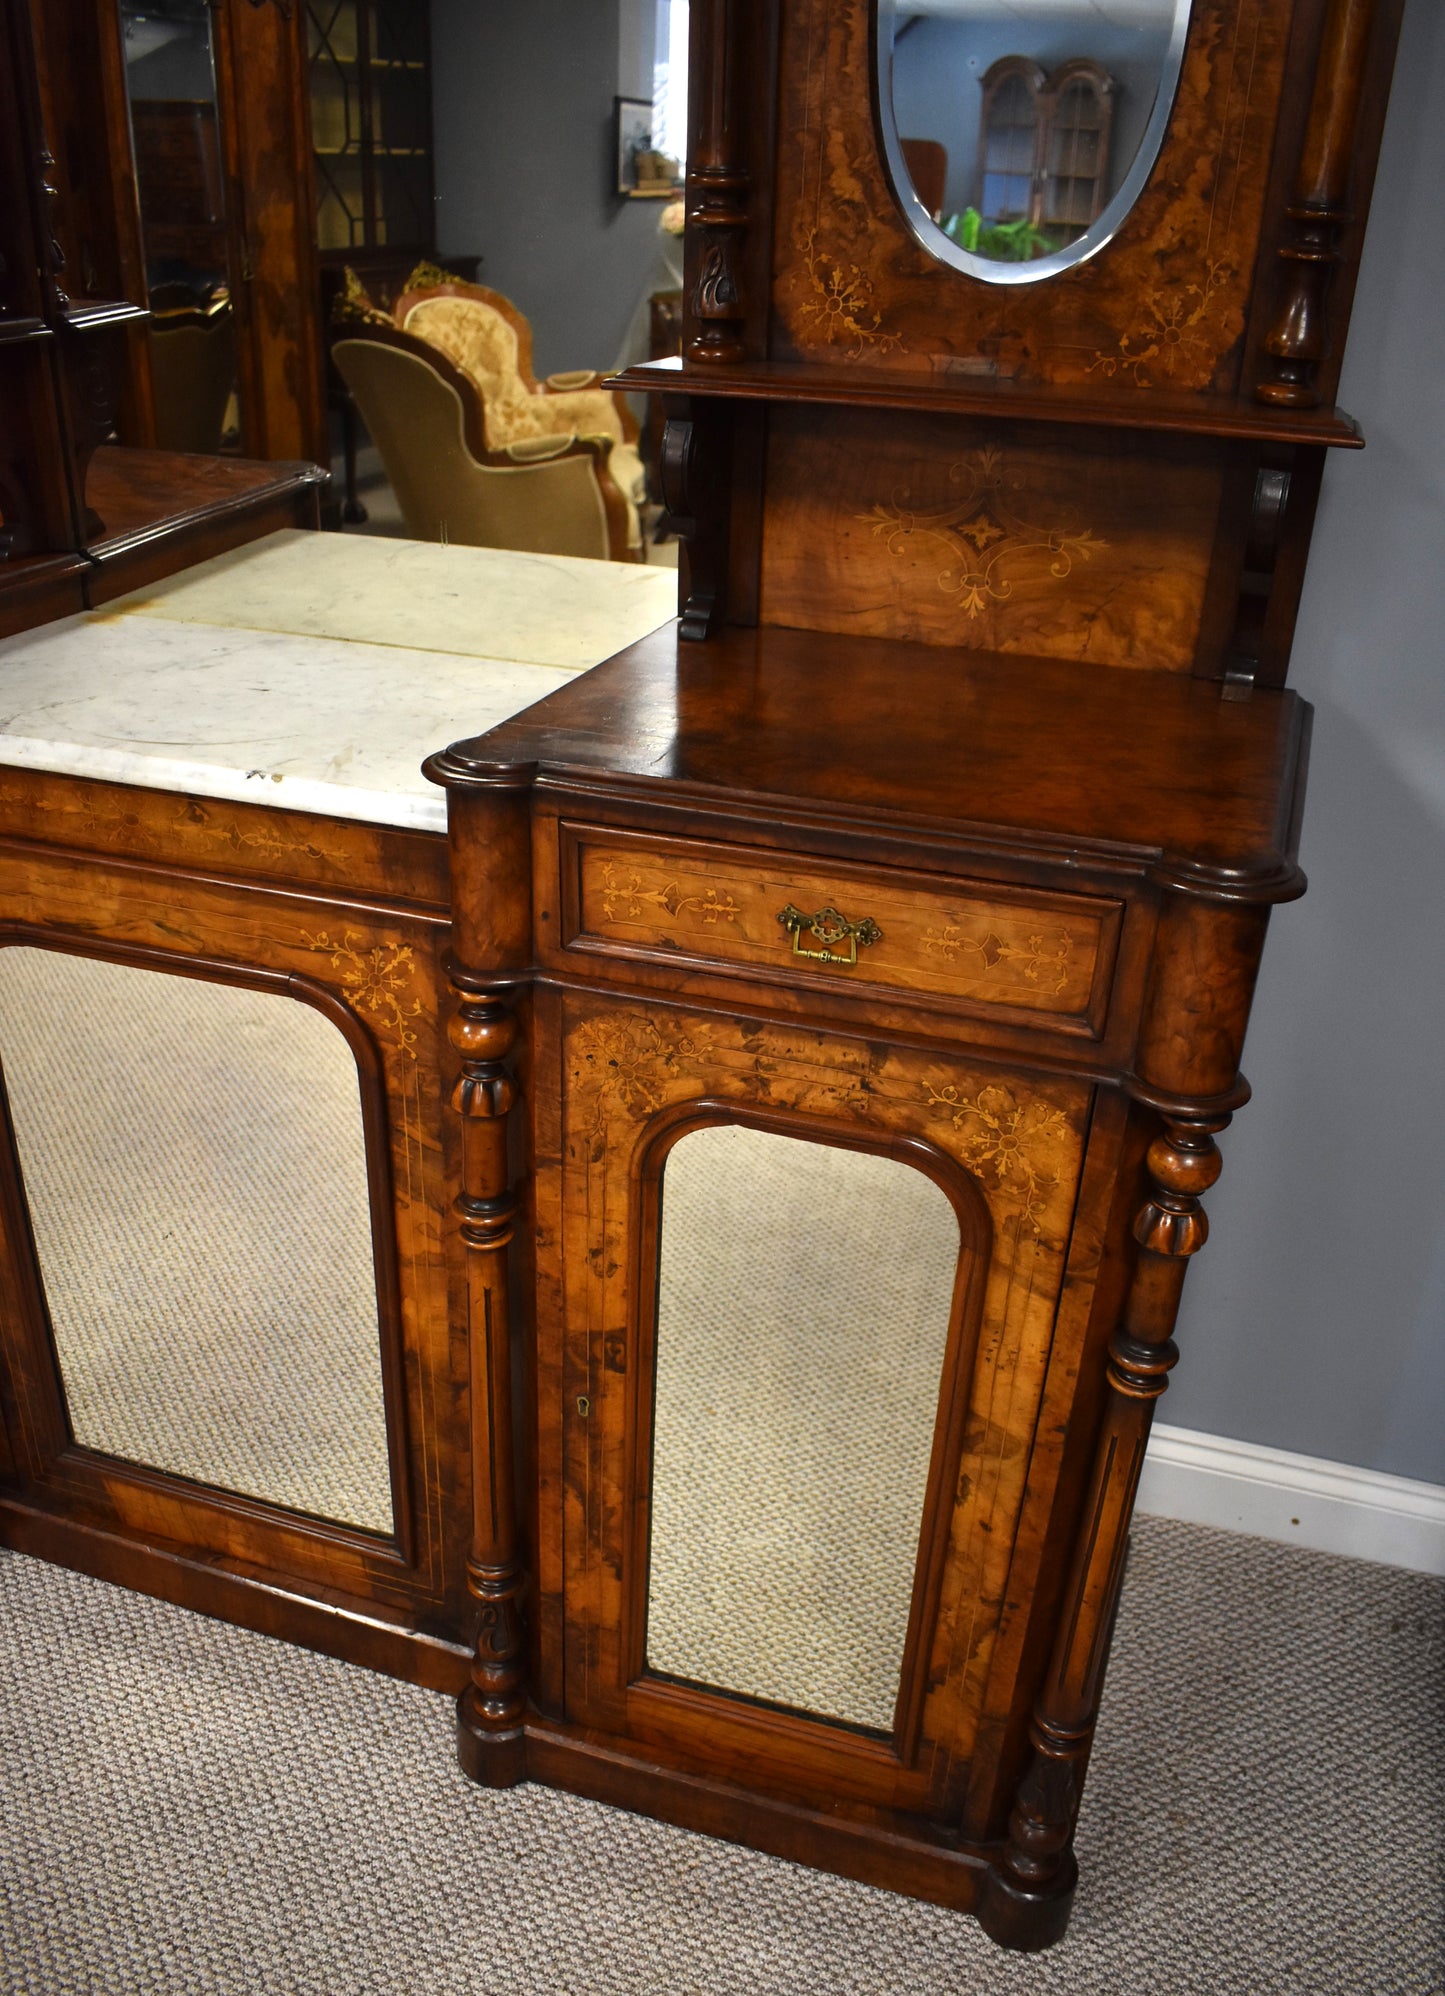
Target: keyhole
(584, 1405)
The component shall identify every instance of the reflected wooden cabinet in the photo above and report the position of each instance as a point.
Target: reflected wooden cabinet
(1043, 146)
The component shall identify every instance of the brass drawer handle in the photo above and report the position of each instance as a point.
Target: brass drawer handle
(832, 930)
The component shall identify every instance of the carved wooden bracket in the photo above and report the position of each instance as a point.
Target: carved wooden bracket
(694, 474)
(1317, 214)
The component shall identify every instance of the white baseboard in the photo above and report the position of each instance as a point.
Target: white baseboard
(1294, 1499)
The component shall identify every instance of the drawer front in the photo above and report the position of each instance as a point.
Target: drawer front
(1045, 956)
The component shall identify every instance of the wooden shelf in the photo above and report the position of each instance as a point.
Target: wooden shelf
(961, 394)
(1151, 770)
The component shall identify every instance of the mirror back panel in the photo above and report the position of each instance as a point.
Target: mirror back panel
(1161, 310)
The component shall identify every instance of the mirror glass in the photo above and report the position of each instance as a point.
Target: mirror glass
(1019, 133)
(521, 168)
(805, 1294)
(194, 1163)
(170, 80)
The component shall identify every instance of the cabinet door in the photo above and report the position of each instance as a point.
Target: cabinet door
(788, 1375)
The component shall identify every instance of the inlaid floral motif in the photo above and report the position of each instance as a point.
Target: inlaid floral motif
(630, 902)
(1034, 962)
(1014, 1142)
(990, 542)
(628, 1061)
(1175, 338)
(841, 307)
(377, 980)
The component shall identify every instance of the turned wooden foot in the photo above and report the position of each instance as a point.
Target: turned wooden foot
(1025, 1918)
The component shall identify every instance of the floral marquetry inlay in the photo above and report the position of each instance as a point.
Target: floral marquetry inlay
(625, 1067)
(989, 542)
(630, 900)
(1015, 1143)
(1040, 960)
(377, 980)
(842, 308)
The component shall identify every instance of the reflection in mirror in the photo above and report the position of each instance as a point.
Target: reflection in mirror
(480, 173)
(194, 1164)
(170, 81)
(805, 1294)
(1020, 132)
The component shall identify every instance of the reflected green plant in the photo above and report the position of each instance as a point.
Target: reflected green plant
(1004, 242)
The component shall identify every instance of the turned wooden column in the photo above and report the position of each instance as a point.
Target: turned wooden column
(1187, 1080)
(1318, 209)
(717, 188)
(490, 844)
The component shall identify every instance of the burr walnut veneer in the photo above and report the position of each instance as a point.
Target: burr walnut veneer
(944, 826)
(942, 830)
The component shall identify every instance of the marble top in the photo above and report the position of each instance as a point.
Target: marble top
(315, 671)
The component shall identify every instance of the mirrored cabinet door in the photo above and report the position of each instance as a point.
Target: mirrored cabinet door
(195, 1174)
(805, 1297)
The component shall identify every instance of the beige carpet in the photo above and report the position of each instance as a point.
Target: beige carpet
(191, 1810)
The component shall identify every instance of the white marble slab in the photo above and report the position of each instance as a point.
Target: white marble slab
(305, 723)
(471, 602)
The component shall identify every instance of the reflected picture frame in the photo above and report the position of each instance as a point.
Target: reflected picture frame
(641, 172)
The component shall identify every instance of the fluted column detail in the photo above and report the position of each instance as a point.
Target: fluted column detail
(483, 1031)
(1026, 1902)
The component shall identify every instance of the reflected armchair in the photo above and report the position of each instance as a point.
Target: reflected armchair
(481, 332)
(548, 493)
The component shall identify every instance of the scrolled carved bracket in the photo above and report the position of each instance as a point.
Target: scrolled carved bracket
(694, 476)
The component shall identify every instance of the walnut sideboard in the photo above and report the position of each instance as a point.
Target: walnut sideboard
(978, 930)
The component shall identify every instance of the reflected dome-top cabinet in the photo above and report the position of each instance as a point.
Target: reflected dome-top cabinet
(852, 978)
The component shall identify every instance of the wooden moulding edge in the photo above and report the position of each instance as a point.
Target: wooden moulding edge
(353, 1631)
(901, 1856)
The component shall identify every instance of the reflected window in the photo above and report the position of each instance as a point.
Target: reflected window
(805, 1297)
(194, 1164)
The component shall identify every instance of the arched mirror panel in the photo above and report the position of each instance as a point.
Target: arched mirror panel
(805, 1298)
(195, 1170)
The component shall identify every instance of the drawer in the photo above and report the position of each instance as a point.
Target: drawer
(942, 941)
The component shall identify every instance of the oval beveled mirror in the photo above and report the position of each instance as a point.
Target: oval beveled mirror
(1019, 133)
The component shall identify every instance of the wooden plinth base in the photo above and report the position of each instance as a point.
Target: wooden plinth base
(495, 1760)
(270, 1603)
(899, 1853)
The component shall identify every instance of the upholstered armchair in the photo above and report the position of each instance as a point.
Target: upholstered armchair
(484, 335)
(549, 492)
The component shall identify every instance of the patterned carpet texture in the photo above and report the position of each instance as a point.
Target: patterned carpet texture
(192, 1810)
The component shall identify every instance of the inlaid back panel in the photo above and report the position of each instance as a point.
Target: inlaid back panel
(998, 537)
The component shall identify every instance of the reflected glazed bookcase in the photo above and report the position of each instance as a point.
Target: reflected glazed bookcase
(944, 827)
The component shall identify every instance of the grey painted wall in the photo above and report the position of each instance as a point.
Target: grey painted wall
(522, 99)
(1315, 1320)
